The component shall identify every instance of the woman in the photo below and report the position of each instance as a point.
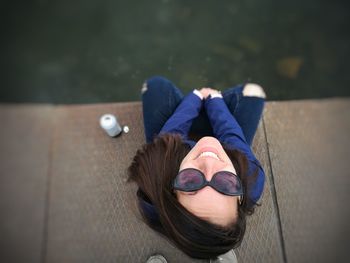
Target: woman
(197, 175)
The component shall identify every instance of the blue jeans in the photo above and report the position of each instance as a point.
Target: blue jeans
(160, 98)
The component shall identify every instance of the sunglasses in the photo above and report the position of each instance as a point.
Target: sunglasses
(191, 179)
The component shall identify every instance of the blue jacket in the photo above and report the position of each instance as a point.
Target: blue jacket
(225, 128)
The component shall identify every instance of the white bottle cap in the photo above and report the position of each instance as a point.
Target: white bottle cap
(126, 129)
(110, 124)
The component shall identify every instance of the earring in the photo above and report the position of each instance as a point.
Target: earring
(240, 199)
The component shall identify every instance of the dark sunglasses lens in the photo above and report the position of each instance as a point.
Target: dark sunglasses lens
(227, 182)
(189, 180)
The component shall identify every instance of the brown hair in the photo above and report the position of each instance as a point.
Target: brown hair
(154, 168)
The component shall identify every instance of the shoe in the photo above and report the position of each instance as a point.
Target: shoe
(156, 259)
(229, 257)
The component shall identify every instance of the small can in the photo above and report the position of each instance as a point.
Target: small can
(110, 124)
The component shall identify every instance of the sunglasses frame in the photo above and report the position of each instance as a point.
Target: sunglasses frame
(209, 183)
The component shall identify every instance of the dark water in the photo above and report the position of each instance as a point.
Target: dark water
(95, 51)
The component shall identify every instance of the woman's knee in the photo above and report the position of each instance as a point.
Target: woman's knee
(155, 82)
(253, 90)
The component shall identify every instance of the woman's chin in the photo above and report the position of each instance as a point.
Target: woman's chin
(209, 141)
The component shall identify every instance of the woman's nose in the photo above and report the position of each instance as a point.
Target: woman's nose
(209, 166)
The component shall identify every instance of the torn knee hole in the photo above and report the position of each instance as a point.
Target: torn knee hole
(253, 90)
(144, 87)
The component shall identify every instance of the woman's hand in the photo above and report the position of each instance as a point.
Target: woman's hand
(208, 91)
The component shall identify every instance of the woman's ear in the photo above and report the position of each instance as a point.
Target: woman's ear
(174, 191)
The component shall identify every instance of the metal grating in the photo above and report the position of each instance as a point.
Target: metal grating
(91, 217)
(24, 163)
(262, 242)
(310, 148)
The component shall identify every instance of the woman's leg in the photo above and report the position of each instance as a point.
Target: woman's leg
(246, 103)
(160, 97)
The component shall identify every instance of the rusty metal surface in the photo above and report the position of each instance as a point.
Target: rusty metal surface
(25, 136)
(92, 216)
(310, 152)
(262, 241)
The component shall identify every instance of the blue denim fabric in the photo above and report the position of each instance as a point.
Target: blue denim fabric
(162, 97)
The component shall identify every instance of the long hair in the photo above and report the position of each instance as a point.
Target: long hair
(154, 168)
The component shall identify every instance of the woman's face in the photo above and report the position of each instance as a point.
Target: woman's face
(207, 203)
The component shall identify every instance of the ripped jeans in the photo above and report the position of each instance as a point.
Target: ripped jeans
(160, 97)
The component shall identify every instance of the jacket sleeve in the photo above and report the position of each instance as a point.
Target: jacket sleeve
(181, 120)
(227, 130)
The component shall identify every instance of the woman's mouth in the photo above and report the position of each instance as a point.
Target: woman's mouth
(209, 154)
